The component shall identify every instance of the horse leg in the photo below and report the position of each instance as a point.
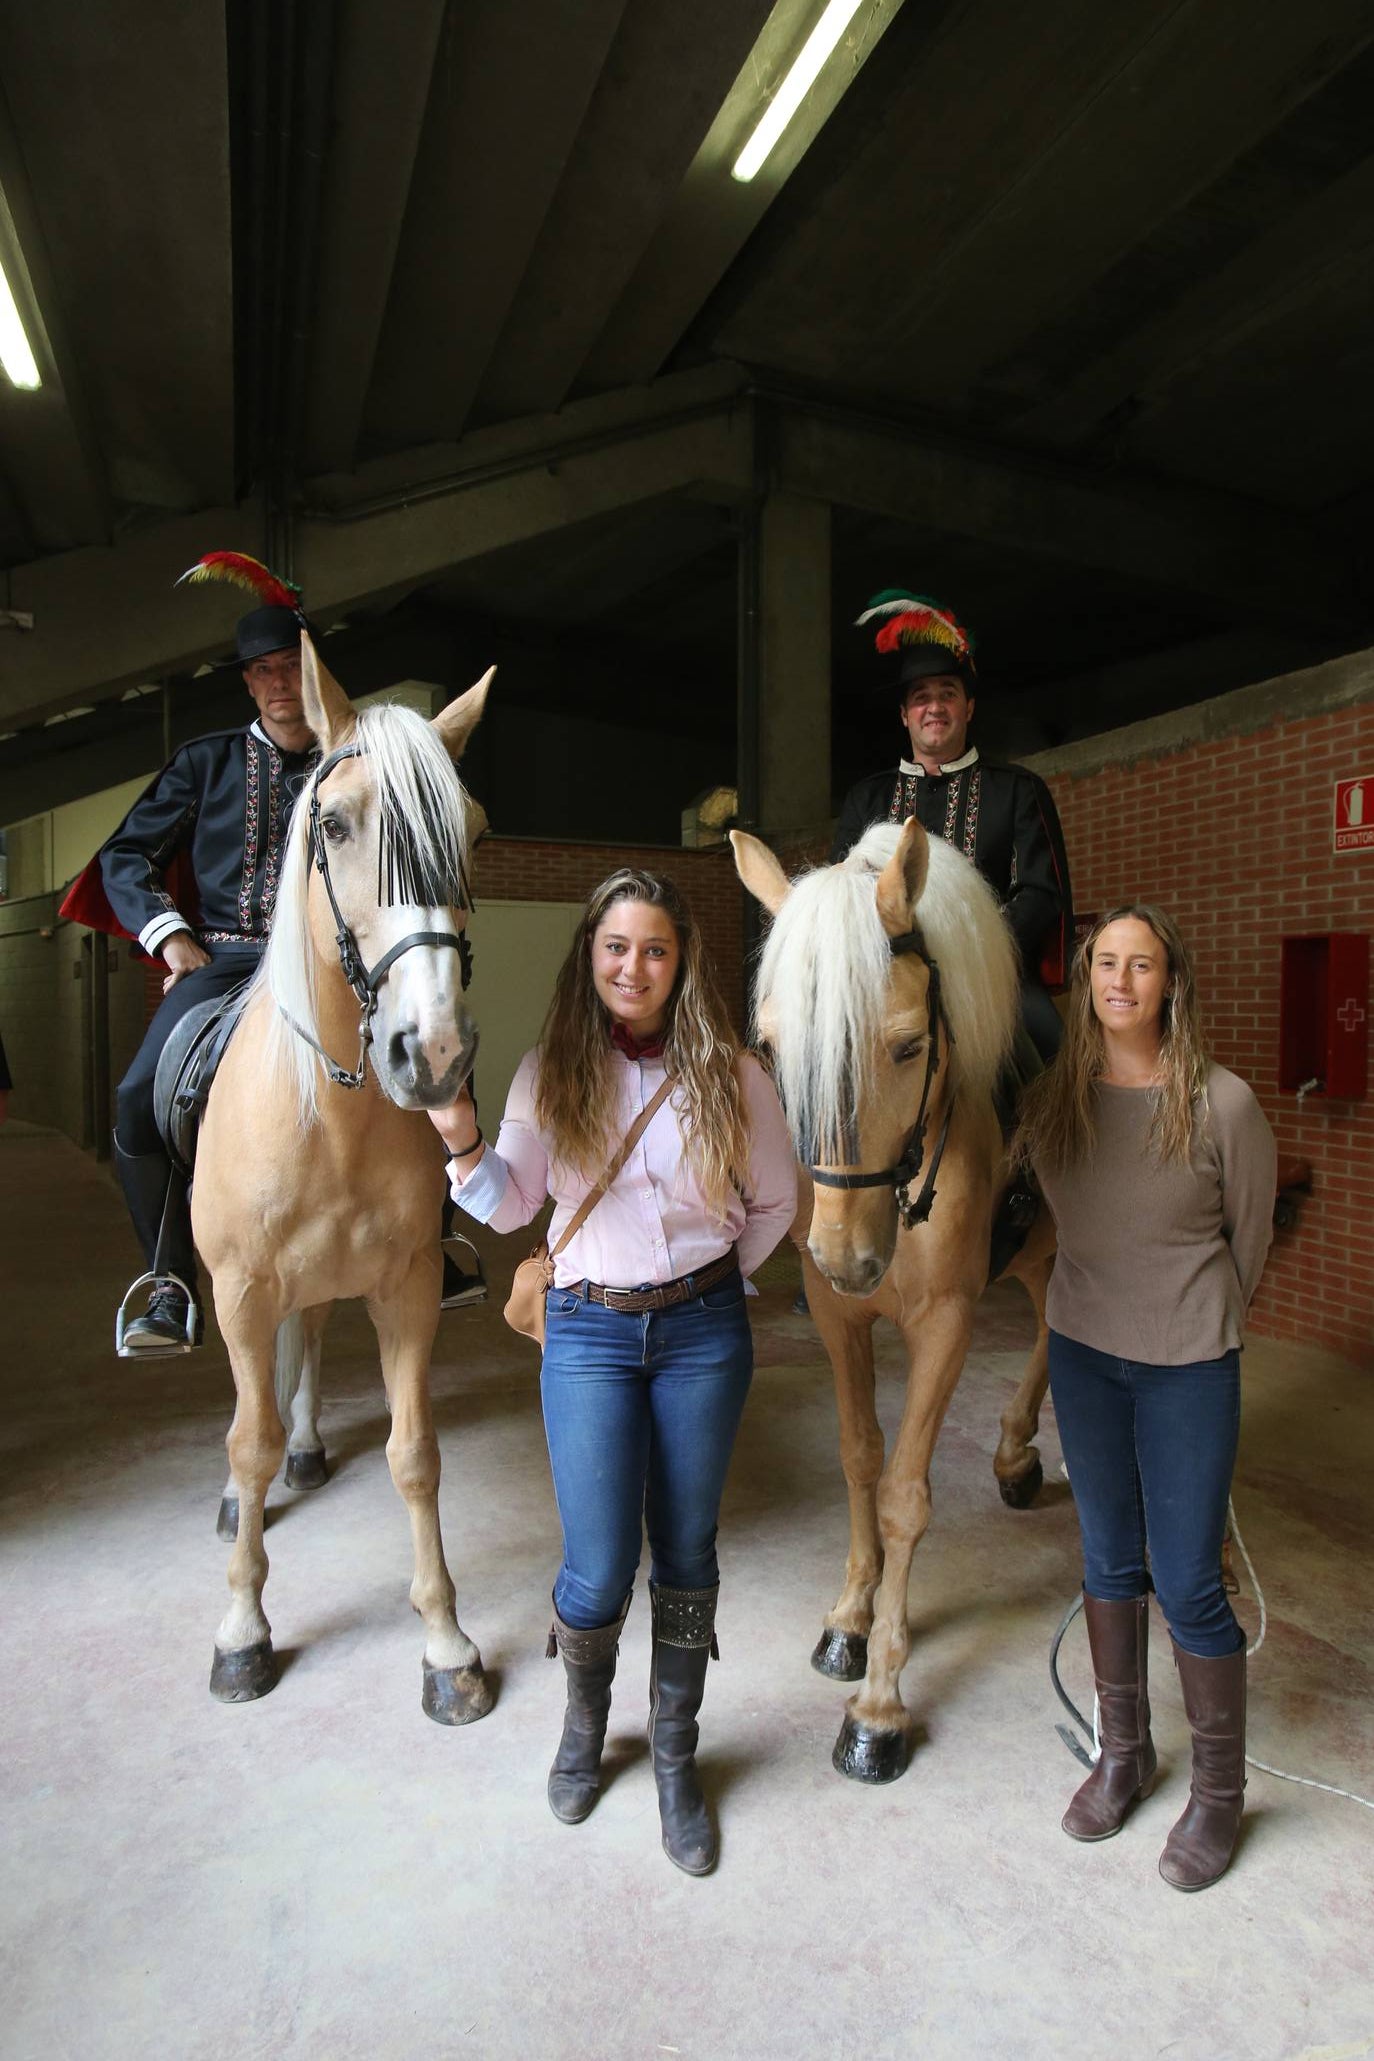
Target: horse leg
(455, 1690)
(296, 1378)
(244, 1666)
(1020, 1476)
(874, 1744)
(841, 1652)
(305, 1460)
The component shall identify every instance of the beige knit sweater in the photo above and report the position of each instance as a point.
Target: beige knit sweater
(1159, 1263)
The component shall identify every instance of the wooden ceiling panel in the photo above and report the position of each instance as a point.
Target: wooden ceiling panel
(1288, 416)
(123, 120)
(664, 80)
(918, 156)
(382, 82)
(510, 90)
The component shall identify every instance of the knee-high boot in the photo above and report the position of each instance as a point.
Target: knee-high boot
(684, 1640)
(589, 1663)
(1198, 1850)
(1118, 1637)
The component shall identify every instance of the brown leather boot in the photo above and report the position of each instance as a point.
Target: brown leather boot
(1118, 1637)
(684, 1640)
(1198, 1850)
(589, 1663)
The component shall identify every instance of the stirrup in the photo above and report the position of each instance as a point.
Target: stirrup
(475, 1290)
(155, 1352)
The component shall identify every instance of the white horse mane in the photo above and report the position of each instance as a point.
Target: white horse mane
(824, 977)
(417, 786)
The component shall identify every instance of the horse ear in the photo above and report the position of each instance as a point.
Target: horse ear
(902, 879)
(328, 710)
(760, 871)
(456, 723)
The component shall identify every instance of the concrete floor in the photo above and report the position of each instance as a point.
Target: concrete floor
(327, 1874)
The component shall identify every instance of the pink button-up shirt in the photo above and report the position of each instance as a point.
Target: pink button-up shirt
(653, 1224)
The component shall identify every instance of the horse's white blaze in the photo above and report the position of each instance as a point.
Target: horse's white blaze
(421, 1004)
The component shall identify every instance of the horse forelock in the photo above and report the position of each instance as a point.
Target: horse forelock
(422, 818)
(824, 981)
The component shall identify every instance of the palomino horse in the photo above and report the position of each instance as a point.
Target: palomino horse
(887, 993)
(314, 1182)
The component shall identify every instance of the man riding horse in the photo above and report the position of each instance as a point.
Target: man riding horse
(1002, 817)
(221, 806)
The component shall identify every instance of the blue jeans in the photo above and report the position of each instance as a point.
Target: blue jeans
(641, 1414)
(1150, 1453)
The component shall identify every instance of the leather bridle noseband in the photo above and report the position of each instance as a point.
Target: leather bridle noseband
(912, 1158)
(364, 983)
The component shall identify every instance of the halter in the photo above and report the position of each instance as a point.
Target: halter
(912, 1157)
(366, 985)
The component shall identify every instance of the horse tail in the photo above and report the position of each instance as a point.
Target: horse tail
(290, 1360)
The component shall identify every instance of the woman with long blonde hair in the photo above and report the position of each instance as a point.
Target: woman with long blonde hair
(648, 1354)
(1159, 1167)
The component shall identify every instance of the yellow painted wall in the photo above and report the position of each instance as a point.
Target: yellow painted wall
(517, 949)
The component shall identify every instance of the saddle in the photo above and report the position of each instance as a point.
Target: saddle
(186, 1070)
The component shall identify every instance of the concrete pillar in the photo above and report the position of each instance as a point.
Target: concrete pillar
(794, 663)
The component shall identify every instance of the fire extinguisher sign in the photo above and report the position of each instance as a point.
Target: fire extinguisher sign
(1353, 826)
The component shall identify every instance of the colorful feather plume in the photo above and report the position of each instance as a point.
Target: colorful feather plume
(915, 619)
(237, 569)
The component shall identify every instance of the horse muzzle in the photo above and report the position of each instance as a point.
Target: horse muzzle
(422, 1070)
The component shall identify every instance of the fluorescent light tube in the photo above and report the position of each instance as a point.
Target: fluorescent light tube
(16, 354)
(795, 87)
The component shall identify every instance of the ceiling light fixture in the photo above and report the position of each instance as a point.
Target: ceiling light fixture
(16, 352)
(795, 87)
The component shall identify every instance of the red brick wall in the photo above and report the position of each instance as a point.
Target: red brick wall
(518, 869)
(1233, 838)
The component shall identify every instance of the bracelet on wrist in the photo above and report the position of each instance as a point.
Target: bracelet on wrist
(468, 1150)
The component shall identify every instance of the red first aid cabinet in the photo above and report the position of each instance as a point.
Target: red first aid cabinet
(1324, 1014)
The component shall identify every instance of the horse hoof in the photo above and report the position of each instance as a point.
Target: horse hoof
(455, 1695)
(843, 1656)
(227, 1523)
(1022, 1492)
(243, 1676)
(306, 1470)
(868, 1755)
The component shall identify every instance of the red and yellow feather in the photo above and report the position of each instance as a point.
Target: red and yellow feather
(237, 569)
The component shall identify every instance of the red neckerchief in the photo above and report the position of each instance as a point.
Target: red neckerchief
(652, 1048)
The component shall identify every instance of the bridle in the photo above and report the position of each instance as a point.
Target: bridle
(912, 1157)
(365, 983)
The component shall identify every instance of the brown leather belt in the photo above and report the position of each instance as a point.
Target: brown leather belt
(633, 1301)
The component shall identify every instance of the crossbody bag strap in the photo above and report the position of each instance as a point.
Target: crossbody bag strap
(632, 1138)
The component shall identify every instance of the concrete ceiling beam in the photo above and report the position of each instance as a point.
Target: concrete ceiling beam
(108, 618)
(1230, 553)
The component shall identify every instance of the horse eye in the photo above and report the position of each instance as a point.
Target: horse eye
(334, 830)
(910, 1048)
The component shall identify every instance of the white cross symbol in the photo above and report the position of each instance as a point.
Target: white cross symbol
(1350, 1015)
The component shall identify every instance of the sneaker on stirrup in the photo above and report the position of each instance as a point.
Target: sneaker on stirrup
(165, 1326)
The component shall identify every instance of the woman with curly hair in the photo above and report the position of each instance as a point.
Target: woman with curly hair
(1159, 1167)
(648, 1354)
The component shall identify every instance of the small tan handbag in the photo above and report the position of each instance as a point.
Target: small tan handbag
(533, 1277)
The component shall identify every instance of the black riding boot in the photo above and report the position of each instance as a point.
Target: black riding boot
(684, 1640)
(144, 1178)
(589, 1664)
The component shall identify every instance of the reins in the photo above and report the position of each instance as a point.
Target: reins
(912, 1157)
(366, 984)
